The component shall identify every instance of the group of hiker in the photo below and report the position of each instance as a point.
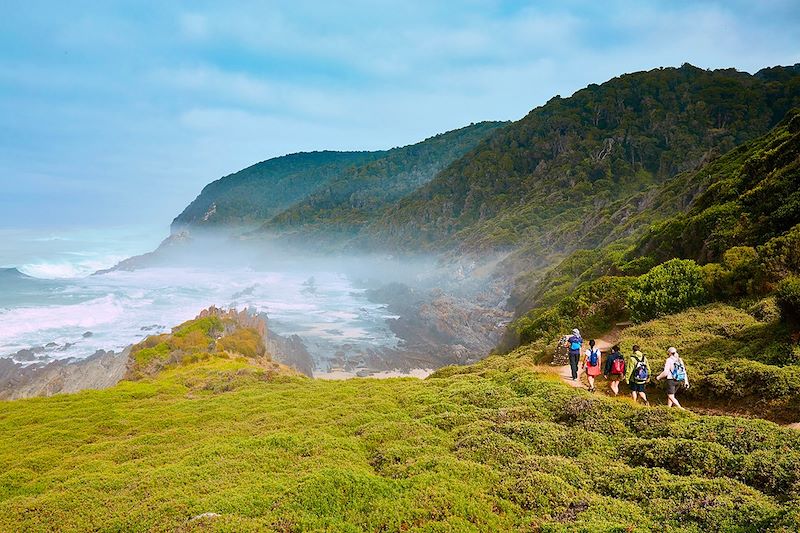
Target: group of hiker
(635, 370)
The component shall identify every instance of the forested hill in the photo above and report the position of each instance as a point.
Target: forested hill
(260, 191)
(714, 268)
(336, 188)
(537, 181)
(359, 194)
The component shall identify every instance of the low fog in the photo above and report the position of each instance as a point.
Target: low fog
(328, 314)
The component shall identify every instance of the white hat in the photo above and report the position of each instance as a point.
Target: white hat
(672, 351)
(576, 332)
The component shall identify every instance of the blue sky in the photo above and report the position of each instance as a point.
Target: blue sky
(119, 112)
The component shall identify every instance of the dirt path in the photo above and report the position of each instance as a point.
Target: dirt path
(605, 343)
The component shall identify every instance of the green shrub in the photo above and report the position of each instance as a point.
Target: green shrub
(780, 256)
(744, 270)
(774, 472)
(244, 341)
(766, 310)
(543, 494)
(668, 288)
(679, 456)
(593, 306)
(207, 326)
(788, 298)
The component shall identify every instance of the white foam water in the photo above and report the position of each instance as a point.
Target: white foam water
(113, 310)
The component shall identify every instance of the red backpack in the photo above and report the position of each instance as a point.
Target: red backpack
(618, 366)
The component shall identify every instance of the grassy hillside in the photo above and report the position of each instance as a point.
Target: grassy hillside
(259, 192)
(542, 181)
(491, 447)
(347, 202)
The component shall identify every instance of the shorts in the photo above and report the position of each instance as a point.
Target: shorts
(673, 386)
(615, 377)
(636, 387)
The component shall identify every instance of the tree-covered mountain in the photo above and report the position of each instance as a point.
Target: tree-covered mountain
(714, 267)
(260, 191)
(357, 195)
(540, 182)
(336, 190)
(540, 187)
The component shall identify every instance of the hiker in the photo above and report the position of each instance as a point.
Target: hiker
(675, 372)
(638, 374)
(574, 343)
(614, 369)
(591, 364)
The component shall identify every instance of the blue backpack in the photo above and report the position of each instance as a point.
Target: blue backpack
(575, 343)
(679, 371)
(594, 357)
(640, 373)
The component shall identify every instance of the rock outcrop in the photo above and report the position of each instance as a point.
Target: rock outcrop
(102, 370)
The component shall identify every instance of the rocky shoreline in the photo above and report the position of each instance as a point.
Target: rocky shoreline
(435, 329)
(101, 370)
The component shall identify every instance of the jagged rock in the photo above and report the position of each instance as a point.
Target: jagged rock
(291, 351)
(27, 354)
(560, 353)
(101, 370)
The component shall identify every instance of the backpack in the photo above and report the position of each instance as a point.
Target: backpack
(679, 371)
(618, 366)
(640, 373)
(575, 343)
(594, 357)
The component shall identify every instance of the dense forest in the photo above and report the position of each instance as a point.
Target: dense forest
(540, 183)
(360, 194)
(329, 190)
(263, 190)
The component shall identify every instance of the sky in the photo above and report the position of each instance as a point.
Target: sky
(119, 112)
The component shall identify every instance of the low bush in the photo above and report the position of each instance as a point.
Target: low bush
(679, 456)
(766, 310)
(668, 288)
(244, 341)
(788, 298)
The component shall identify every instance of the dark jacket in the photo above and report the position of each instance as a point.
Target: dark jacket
(613, 356)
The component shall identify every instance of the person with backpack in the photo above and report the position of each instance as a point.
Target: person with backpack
(675, 372)
(574, 343)
(638, 374)
(614, 369)
(591, 364)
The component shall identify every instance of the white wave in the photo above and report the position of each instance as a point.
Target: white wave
(86, 315)
(69, 269)
(116, 306)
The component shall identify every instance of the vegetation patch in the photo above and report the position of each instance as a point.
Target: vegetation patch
(492, 446)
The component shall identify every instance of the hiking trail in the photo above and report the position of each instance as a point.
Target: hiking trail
(603, 343)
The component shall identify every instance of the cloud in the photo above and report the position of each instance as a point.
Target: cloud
(110, 99)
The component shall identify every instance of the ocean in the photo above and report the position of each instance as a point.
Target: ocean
(52, 307)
